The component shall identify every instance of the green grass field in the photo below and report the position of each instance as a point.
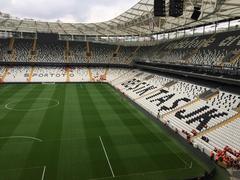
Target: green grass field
(83, 131)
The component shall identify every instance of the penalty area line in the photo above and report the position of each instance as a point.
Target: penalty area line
(22, 137)
(105, 152)
(43, 173)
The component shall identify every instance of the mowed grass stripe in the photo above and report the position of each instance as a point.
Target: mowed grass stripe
(13, 88)
(99, 102)
(11, 91)
(66, 148)
(94, 127)
(5, 87)
(73, 154)
(47, 153)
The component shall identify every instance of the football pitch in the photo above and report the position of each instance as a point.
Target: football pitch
(84, 131)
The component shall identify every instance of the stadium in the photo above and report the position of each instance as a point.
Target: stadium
(151, 94)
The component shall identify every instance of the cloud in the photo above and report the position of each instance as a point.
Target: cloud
(66, 10)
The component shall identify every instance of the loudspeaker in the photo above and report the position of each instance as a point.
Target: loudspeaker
(159, 8)
(176, 8)
(196, 13)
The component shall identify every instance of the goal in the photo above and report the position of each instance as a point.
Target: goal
(48, 83)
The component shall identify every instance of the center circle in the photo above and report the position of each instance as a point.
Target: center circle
(32, 104)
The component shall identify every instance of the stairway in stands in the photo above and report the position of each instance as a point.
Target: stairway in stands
(66, 52)
(90, 75)
(33, 52)
(30, 74)
(3, 76)
(130, 58)
(88, 52)
(12, 50)
(68, 74)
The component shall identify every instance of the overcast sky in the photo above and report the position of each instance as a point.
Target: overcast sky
(66, 10)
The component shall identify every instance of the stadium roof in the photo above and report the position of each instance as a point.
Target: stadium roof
(137, 21)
